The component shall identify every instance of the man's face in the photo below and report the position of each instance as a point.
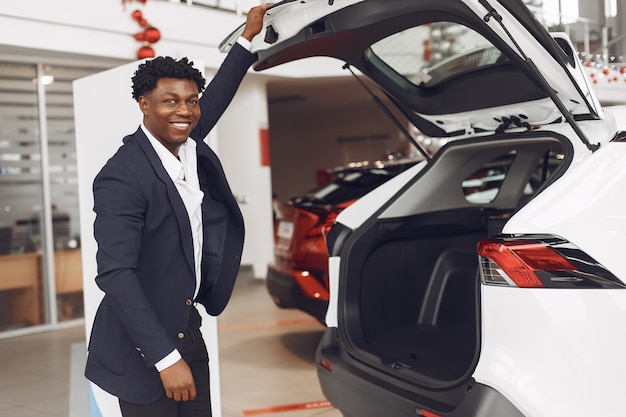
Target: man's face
(171, 111)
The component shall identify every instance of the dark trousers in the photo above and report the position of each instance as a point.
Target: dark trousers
(194, 352)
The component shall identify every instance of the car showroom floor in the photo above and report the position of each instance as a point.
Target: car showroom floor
(266, 364)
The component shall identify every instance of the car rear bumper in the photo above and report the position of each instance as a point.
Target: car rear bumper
(359, 394)
(286, 293)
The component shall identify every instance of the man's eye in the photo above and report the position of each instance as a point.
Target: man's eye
(170, 101)
(193, 102)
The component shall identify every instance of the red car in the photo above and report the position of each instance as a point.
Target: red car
(298, 277)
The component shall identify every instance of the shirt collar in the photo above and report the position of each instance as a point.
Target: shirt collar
(172, 165)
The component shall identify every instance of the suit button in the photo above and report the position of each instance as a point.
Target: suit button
(181, 335)
(189, 302)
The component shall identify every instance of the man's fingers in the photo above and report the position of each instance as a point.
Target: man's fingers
(184, 395)
(178, 382)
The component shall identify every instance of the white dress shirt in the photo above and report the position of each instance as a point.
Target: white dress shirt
(184, 174)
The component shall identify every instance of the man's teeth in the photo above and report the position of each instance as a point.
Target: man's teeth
(181, 124)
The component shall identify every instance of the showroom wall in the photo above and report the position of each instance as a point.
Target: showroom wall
(321, 124)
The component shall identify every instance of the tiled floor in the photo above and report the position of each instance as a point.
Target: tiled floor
(266, 363)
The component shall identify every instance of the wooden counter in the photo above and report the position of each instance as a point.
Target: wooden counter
(22, 275)
(68, 271)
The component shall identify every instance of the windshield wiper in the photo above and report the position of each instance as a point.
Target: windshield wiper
(389, 114)
(545, 86)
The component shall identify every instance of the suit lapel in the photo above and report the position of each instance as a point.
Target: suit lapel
(219, 182)
(176, 202)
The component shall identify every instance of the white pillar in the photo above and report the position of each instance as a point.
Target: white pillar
(241, 152)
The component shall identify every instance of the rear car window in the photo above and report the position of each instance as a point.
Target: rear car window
(429, 54)
(484, 184)
(346, 186)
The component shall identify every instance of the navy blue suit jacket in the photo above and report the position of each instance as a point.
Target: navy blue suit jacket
(145, 250)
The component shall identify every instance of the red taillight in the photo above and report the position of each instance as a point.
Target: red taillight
(519, 260)
(427, 413)
(326, 365)
(316, 231)
(323, 226)
(541, 261)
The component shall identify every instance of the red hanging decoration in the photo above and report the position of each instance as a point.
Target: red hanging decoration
(145, 52)
(148, 36)
(151, 34)
(137, 15)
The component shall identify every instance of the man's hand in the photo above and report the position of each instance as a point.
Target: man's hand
(254, 21)
(178, 381)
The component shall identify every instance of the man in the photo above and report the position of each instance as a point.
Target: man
(170, 235)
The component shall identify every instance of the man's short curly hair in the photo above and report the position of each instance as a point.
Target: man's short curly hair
(149, 73)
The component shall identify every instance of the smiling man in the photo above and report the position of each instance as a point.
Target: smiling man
(170, 236)
(171, 109)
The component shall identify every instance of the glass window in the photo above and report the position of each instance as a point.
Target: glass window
(429, 54)
(21, 285)
(483, 185)
(32, 293)
(350, 184)
(64, 190)
(346, 186)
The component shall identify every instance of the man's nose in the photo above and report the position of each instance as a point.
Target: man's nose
(183, 108)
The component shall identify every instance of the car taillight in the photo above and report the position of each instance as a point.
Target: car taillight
(545, 262)
(323, 226)
(426, 413)
(326, 365)
(316, 231)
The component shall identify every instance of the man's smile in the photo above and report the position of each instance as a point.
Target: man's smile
(181, 125)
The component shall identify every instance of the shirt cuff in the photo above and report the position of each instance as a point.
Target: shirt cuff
(168, 361)
(245, 43)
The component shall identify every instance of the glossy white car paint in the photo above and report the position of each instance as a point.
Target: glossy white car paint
(555, 353)
(287, 18)
(539, 112)
(589, 210)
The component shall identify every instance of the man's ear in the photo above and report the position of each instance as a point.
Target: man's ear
(144, 103)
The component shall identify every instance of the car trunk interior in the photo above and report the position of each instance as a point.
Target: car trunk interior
(412, 287)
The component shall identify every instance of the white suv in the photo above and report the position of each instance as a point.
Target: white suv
(488, 280)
